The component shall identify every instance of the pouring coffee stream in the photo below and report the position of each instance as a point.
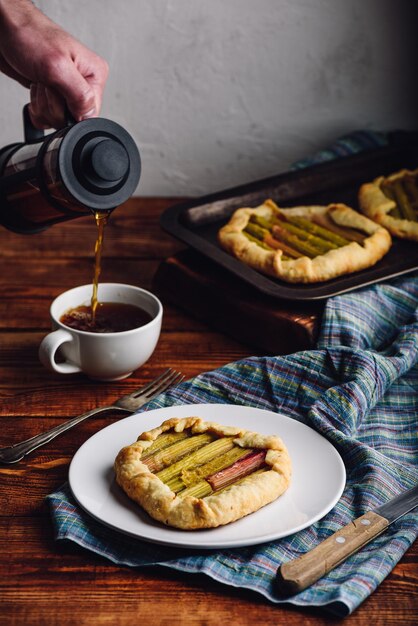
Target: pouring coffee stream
(87, 167)
(101, 221)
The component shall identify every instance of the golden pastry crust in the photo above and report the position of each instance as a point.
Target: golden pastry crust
(377, 206)
(343, 260)
(218, 508)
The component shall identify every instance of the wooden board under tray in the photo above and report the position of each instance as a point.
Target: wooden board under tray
(203, 289)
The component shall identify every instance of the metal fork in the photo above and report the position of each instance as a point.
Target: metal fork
(127, 404)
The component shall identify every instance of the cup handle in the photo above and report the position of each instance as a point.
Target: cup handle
(48, 348)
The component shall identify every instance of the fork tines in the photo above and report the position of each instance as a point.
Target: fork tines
(159, 384)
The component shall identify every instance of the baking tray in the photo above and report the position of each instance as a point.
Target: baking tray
(196, 222)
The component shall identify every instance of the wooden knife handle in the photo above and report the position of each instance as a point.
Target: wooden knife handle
(296, 575)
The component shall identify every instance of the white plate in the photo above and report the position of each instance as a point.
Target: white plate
(317, 483)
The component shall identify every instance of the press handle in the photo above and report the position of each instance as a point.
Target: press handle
(295, 576)
(69, 118)
(30, 133)
(33, 134)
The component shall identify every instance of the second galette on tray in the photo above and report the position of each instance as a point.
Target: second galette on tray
(393, 202)
(304, 244)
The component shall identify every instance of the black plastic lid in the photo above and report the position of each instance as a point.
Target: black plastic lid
(99, 163)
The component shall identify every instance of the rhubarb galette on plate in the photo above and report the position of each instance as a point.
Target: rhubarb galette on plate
(191, 474)
(393, 202)
(304, 244)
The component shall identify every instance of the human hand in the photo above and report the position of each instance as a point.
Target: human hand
(58, 69)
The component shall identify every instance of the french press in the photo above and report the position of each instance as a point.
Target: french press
(88, 166)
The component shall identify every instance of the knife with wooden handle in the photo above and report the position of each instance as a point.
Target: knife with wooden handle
(295, 576)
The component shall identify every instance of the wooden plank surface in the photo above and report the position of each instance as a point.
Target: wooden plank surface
(42, 583)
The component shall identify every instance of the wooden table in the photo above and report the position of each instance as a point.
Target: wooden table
(43, 583)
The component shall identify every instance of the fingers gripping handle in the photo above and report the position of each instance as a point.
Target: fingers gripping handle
(48, 350)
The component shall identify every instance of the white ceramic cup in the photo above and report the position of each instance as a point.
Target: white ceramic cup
(102, 356)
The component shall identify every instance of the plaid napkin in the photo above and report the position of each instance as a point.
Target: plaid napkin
(359, 390)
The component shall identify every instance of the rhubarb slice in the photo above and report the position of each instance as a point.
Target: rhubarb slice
(319, 231)
(321, 244)
(263, 238)
(248, 464)
(282, 234)
(191, 476)
(201, 455)
(402, 201)
(173, 453)
(411, 187)
(347, 234)
(163, 441)
(199, 490)
(388, 192)
(303, 231)
(257, 240)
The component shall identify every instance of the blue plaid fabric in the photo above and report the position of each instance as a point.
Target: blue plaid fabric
(358, 389)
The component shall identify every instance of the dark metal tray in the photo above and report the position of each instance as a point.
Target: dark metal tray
(196, 222)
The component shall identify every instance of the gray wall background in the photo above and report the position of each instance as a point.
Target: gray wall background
(221, 92)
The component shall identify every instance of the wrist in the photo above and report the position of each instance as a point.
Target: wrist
(15, 14)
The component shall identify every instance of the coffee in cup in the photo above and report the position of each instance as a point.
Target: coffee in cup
(108, 317)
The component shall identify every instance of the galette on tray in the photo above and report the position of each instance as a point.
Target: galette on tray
(392, 201)
(304, 244)
(193, 474)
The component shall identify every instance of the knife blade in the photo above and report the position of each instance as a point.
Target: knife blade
(300, 573)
